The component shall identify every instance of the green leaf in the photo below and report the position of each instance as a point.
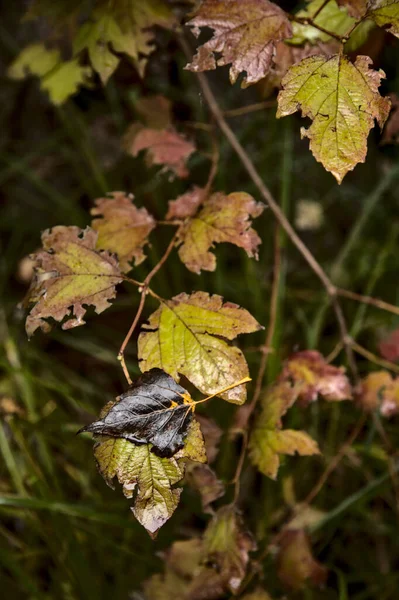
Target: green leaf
(187, 335)
(70, 273)
(245, 34)
(342, 100)
(223, 218)
(331, 17)
(60, 79)
(268, 441)
(385, 13)
(123, 228)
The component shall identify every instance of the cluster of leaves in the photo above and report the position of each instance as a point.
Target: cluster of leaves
(305, 54)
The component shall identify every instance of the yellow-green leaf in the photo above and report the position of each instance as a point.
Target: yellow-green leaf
(386, 14)
(268, 441)
(70, 273)
(187, 335)
(123, 228)
(60, 79)
(342, 100)
(223, 218)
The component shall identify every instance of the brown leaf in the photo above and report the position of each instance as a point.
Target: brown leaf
(390, 134)
(204, 480)
(245, 34)
(212, 434)
(296, 565)
(164, 147)
(316, 377)
(70, 273)
(185, 205)
(223, 218)
(379, 391)
(123, 228)
(155, 111)
(227, 545)
(356, 8)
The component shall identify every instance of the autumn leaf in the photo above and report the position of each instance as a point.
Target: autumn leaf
(59, 79)
(155, 111)
(221, 219)
(296, 565)
(390, 135)
(204, 480)
(212, 434)
(146, 477)
(185, 205)
(379, 391)
(268, 440)
(123, 228)
(258, 594)
(342, 100)
(187, 335)
(356, 8)
(314, 376)
(70, 273)
(164, 147)
(227, 545)
(385, 13)
(245, 34)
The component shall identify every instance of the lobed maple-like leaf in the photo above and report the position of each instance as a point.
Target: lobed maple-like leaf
(227, 545)
(379, 391)
(342, 100)
(146, 477)
(245, 34)
(313, 376)
(123, 228)
(385, 13)
(155, 409)
(164, 147)
(296, 565)
(185, 205)
(268, 440)
(222, 218)
(187, 335)
(70, 273)
(59, 79)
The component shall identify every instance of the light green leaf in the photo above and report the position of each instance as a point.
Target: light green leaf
(187, 335)
(386, 14)
(342, 99)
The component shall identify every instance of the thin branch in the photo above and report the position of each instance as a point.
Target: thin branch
(307, 21)
(121, 354)
(386, 364)
(244, 110)
(318, 11)
(274, 206)
(369, 300)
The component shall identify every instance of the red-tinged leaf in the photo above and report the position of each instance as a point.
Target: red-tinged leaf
(123, 228)
(314, 376)
(164, 147)
(245, 34)
(296, 565)
(155, 111)
(212, 434)
(379, 391)
(185, 205)
(390, 135)
(222, 218)
(204, 480)
(356, 8)
(70, 273)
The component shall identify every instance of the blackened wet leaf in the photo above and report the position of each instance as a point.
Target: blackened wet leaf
(155, 409)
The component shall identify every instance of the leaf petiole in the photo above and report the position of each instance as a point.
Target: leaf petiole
(230, 387)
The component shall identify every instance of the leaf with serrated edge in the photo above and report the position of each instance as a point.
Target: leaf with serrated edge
(70, 273)
(222, 218)
(123, 228)
(185, 205)
(386, 14)
(268, 441)
(342, 99)
(185, 335)
(245, 34)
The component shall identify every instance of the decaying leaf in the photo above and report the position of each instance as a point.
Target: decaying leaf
(268, 440)
(379, 391)
(386, 14)
(185, 205)
(245, 34)
(146, 477)
(314, 376)
(122, 228)
(227, 545)
(296, 565)
(154, 410)
(164, 147)
(356, 8)
(70, 273)
(221, 219)
(60, 79)
(212, 434)
(187, 335)
(155, 111)
(342, 100)
(390, 134)
(204, 480)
